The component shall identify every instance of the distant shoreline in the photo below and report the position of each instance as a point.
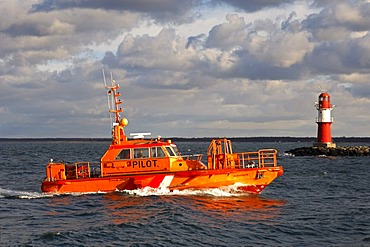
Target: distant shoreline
(208, 139)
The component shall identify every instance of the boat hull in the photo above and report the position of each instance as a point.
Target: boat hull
(252, 180)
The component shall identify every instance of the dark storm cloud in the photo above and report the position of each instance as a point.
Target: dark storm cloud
(253, 5)
(28, 29)
(167, 10)
(360, 90)
(346, 56)
(110, 60)
(348, 15)
(250, 67)
(63, 76)
(196, 42)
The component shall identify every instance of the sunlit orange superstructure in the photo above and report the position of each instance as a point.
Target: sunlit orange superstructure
(138, 162)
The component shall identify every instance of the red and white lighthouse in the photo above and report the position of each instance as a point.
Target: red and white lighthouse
(324, 120)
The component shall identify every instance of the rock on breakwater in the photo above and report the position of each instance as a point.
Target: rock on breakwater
(338, 151)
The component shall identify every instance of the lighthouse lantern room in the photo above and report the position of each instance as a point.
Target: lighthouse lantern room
(324, 121)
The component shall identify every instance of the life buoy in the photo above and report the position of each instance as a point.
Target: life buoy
(82, 172)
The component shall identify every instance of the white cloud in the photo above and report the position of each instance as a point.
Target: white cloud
(187, 68)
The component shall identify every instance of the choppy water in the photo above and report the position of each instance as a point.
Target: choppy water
(317, 202)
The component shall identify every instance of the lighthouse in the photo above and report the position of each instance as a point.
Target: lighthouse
(324, 121)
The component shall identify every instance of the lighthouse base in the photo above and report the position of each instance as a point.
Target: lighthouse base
(325, 144)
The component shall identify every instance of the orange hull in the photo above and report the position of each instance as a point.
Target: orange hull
(252, 180)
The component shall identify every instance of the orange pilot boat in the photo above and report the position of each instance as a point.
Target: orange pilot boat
(139, 162)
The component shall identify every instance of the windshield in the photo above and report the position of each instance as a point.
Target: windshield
(171, 152)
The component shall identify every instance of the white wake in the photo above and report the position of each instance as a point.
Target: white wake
(22, 194)
(226, 191)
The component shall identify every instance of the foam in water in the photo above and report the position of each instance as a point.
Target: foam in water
(83, 193)
(22, 194)
(225, 191)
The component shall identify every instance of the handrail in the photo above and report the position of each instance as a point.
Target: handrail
(261, 158)
(267, 157)
(197, 157)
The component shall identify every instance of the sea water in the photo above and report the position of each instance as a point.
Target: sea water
(319, 201)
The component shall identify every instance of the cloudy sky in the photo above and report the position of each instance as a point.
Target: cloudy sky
(186, 68)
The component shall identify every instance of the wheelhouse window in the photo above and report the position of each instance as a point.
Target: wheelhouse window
(123, 155)
(176, 150)
(157, 152)
(171, 152)
(141, 152)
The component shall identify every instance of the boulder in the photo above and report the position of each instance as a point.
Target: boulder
(338, 151)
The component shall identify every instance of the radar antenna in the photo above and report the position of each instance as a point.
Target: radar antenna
(113, 98)
(114, 109)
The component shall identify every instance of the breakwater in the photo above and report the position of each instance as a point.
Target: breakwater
(338, 151)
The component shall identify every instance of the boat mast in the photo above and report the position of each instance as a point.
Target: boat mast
(114, 108)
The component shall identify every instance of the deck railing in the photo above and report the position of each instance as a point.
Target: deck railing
(261, 158)
(82, 170)
(197, 157)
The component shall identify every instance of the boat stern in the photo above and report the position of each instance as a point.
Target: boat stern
(55, 172)
(50, 187)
